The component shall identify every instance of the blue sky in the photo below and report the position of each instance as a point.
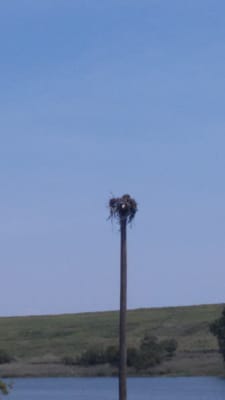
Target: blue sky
(101, 97)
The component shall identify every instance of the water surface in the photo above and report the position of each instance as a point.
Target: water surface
(107, 389)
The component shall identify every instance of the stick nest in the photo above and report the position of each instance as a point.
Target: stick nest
(122, 208)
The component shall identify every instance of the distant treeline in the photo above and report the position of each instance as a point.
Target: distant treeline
(151, 352)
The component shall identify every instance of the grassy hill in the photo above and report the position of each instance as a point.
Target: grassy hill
(39, 343)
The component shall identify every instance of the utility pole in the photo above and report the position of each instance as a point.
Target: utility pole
(123, 311)
(123, 209)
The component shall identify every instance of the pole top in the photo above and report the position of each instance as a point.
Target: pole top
(123, 208)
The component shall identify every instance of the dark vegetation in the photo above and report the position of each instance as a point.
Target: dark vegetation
(5, 357)
(5, 387)
(38, 344)
(151, 352)
(217, 328)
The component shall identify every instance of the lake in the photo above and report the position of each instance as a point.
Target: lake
(208, 388)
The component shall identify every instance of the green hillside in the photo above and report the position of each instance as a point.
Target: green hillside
(39, 343)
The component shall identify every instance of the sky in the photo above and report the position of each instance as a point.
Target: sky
(102, 98)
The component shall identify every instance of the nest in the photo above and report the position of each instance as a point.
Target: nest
(123, 208)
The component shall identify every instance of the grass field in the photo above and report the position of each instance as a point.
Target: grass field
(38, 343)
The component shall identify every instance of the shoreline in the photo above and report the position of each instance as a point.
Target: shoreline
(182, 365)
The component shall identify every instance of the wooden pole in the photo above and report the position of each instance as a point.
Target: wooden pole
(123, 311)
